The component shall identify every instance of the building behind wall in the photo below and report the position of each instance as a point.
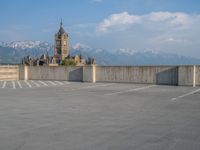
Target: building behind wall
(61, 53)
(61, 47)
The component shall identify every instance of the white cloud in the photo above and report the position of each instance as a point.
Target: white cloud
(120, 20)
(175, 32)
(171, 39)
(177, 20)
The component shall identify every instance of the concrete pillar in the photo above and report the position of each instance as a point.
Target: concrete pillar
(93, 73)
(25, 72)
(18, 73)
(89, 73)
(194, 76)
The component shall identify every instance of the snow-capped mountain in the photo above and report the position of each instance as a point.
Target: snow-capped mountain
(79, 46)
(125, 56)
(13, 52)
(28, 45)
(32, 48)
(4, 44)
(127, 51)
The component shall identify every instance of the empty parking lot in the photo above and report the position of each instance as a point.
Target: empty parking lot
(60, 115)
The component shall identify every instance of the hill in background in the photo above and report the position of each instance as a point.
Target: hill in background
(13, 52)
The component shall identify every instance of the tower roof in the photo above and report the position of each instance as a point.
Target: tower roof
(61, 30)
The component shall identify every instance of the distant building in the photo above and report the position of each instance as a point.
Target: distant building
(61, 47)
(61, 53)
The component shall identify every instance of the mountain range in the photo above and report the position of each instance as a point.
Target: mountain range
(13, 52)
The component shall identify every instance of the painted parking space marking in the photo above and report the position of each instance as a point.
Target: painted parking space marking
(93, 86)
(131, 90)
(13, 83)
(52, 83)
(4, 84)
(59, 82)
(19, 84)
(43, 83)
(184, 95)
(90, 86)
(35, 83)
(66, 82)
(31, 84)
(27, 83)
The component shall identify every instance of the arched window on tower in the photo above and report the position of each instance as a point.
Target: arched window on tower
(65, 43)
(58, 43)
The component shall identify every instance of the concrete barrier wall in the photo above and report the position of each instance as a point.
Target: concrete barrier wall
(186, 75)
(163, 75)
(198, 75)
(138, 74)
(21, 72)
(9, 72)
(89, 73)
(55, 73)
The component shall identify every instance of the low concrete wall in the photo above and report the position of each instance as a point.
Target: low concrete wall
(21, 72)
(9, 72)
(197, 75)
(186, 75)
(163, 75)
(138, 74)
(89, 73)
(54, 73)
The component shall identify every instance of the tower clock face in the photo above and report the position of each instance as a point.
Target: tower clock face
(58, 42)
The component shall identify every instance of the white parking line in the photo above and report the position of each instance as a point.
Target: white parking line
(20, 86)
(184, 95)
(66, 82)
(28, 83)
(13, 83)
(43, 83)
(35, 83)
(52, 83)
(59, 82)
(89, 87)
(4, 84)
(131, 90)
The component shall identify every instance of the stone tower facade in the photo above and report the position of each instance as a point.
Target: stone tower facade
(61, 49)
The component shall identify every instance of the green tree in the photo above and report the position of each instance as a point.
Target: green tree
(68, 62)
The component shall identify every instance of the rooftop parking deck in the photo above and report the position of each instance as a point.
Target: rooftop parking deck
(49, 115)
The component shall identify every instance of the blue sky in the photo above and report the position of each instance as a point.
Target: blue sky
(158, 25)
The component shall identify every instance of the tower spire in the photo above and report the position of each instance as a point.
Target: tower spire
(61, 23)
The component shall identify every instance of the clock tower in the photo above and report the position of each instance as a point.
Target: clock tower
(61, 48)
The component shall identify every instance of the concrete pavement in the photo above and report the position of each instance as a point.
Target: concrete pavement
(100, 116)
